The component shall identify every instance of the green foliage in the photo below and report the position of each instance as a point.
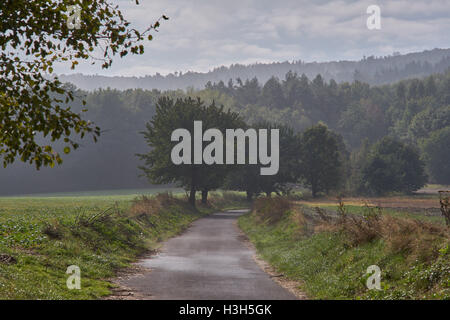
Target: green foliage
(46, 236)
(429, 120)
(320, 162)
(327, 267)
(437, 150)
(272, 94)
(393, 166)
(248, 177)
(35, 36)
(99, 234)
(355, 110)
(362, 119)
(244, 178)
(171, 115)
(409, 110)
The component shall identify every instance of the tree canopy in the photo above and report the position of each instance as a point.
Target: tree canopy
(437, 150)
(384, 111)
(319, 160)
(248, 178)
(393, 166)
(34, 36)
(171, 115)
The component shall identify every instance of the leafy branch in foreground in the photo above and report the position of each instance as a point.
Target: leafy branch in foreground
(34, 35)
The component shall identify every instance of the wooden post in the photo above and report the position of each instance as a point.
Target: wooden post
(444, 199)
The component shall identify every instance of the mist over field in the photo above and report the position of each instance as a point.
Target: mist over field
(121, 112)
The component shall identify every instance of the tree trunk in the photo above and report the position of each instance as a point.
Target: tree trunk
(193, 187)
(313, 190)
(204, 196)
(192, 196)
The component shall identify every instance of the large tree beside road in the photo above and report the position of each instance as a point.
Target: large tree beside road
(181, 113)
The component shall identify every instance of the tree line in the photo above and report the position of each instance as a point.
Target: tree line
(373, 70)
(414, 112)
(316, 158)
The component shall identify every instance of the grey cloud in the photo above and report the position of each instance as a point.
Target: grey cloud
(203, 34)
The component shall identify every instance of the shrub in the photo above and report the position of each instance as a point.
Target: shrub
(417, 240)
(271, 209)
(144, 205)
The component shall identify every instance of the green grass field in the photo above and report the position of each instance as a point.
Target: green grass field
(331, 263)
(40, 236)
(114, 193)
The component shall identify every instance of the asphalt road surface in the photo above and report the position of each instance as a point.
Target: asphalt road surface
(208, 261)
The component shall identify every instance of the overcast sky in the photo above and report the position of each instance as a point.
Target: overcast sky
(203, 34)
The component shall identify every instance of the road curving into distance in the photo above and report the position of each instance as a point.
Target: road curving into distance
(210, 260)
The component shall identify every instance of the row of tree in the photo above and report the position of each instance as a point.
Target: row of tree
(415, 112)
(315, 158)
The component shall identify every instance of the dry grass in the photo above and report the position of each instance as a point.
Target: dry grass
(298, 217)
(145, 205)
(300, 221)
(418, 240)
(271, 210)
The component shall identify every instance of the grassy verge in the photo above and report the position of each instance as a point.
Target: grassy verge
(40, 238)
(432, 215)
(329, 257)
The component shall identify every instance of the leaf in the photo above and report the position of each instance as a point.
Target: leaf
(34, 102)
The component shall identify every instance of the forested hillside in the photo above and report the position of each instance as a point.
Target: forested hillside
(409, 110)
(373, 70)
(416, 112)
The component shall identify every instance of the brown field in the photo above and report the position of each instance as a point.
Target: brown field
(426, 198)
(383, 202)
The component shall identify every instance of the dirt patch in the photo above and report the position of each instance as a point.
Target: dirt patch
(290, 285)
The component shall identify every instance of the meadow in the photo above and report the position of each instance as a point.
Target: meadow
(326, 247)
(103, 232)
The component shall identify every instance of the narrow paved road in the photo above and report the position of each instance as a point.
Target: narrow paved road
(208, 261)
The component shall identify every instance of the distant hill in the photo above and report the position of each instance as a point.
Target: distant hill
(373, 70)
